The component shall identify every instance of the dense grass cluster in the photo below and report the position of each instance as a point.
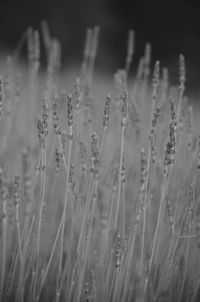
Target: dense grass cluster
(97, 209)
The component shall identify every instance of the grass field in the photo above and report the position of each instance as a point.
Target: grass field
(99, 179)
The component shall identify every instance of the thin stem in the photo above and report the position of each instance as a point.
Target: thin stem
(20, 250)
(185, 269)
(65, 204)
(4, 248)
(38, 241)
(120, 176)
(159, 219)
(51, 255)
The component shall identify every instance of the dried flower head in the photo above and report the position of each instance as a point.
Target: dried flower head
(143, 161)
(26, 179)
(42, 125)
(88, 42)
(120, 83)
(77, 93)
(58, 159)
(190, 125)
(182, 74)
(34, 49)
(156, 78)
(95, 155)
(46, 35)
(152, 137)
(16, 190)
(69, 110)
(3, 187)
(198, 153)
(118, 250)
(171, 144)
(156, 115)
(83, 156)
(190, 211)
(86, 292)
(130, 50)
(134, 117)
(147, 59)
(94, 42)
(123, 171)
(56, 122)
(169, 211)
(106, 115)
(72, 182)
(124, 107)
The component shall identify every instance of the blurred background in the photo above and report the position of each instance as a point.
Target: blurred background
(172, 27)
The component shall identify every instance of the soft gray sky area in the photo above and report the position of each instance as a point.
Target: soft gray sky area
(172, 27)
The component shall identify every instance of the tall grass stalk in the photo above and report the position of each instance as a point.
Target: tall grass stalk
(4, 226)
(66, 200)
(123, 124)
(152, 130)
(164, 190)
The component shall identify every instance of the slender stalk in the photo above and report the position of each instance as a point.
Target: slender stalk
(185, 269)
(81, 236)
(4, 225)
(159, 219)
(129, 260)
(154, 116)
(51, 255)
(110, 222)
(65, 205)
(41, 209)
(20, 251)
(123, 126)
(82, 270)
(120, 176)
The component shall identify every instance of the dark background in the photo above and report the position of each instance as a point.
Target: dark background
(172, 27)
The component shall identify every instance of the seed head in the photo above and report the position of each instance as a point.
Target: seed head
(3, 187)
(147, 59)
(58, 159)
(71, 182)
(190, 211)
(88, 42)
(94, 153)
(123, 172)
(45, 116)
(16, 190)
(156, 78)
(131, 43)
(94, 42)
(42, 125)
(27, 184)
(77, 92)
(155, 116)
(56, 123)
(182, 74)
(83, 156)
(124, 107)
(118, 250)
(190, 126)
(106, 114)
(69, 110)
(143, 161)
(130, 50)
(46, 35)
(198, 153)
(171, 144)
(169, 211)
